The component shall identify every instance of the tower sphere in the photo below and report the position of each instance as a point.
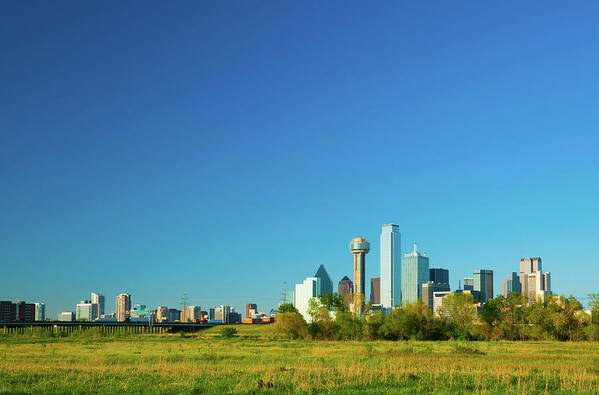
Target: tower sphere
(359, 244)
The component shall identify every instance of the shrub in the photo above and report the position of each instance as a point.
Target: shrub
(228, 332)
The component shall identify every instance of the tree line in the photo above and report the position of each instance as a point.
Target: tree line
(459, 318)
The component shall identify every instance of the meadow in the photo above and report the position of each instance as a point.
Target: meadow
(205, 362)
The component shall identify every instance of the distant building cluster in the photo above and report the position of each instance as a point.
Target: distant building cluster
(22, 311)
(409, 278)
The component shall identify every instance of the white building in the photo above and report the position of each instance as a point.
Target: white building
(67, 316)
(438, 301)
(309, 289)
(390, 286)
(221, 313)
(40, 312)
(86, 310)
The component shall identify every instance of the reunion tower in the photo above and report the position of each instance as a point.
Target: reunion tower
(359, 247)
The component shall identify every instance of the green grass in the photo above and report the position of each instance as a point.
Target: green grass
(208, 363)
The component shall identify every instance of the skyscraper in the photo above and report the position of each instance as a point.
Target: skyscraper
(390, 283)
(439, 275)
(303, 293)
(429, 289)
(530, 265)
(25, 312)
(468, 284)
(123, 307)
(326, 285)
(40, 311)
(511, 284)
(86, 311)
(533, 282)
(414, 273)
(162, 314)
(375, 291)
(359, 247)
(99, 300)
(248, 307)
(483, 283)
(345, 287)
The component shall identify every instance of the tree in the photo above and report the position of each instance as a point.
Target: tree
(460, 309)
(291, 325)
(287, 308)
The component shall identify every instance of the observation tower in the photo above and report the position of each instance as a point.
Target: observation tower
(359, 247)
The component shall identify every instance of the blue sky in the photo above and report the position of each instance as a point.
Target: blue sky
(220, 148)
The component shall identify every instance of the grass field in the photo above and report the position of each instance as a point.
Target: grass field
(206, 363)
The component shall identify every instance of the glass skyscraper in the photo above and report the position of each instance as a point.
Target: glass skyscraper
(483, 283)
(390, 283)
(414, 273)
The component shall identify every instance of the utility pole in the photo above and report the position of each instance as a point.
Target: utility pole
(284, 293)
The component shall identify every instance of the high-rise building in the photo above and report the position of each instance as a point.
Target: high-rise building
(234, 317)
(211, 313)
(25, 312)
(375, 291)
(429, 289)
(8, 311)
(414, 273)
(162, 314)
(359, 247)
(191, 314)
(123, 307)
(511, 284)
(533, 282)
(248, 307)
(99, 300)
(390, 283)
(40, 311)
(468, 283)
(439, 275)
(345, 287)
(86, 311)
(174, 315)
(303, 293)
(483, 283)
(66, 316)
(221, 313)
(326, 285)
(530, 265)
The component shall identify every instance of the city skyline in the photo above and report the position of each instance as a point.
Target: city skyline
(139, 159)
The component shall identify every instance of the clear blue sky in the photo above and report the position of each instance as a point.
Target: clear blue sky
(220, 148)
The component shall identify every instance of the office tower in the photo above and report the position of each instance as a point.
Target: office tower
(86, 311)
(191, 314)
(530, 265)
(8, 311)
(414, 273)
(211, 313)
(483, 283)
(468, 284)
(304, 292)
(66, 316)
(345, 287)
(25, 312)
(438, 301)
(174, 315)
(99, 300)
(533, 282)
(359, 247)
(326, 285)
(375, 291)
(428, 290)
(222, 313)
(234, 317)
(123, 307)
(511, 284)
(390, 270)
(162, 314)
(40, 311)
(248, 307)
(547, 281)
(439, 276)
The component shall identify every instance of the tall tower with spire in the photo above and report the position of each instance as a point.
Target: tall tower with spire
(414, 273)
